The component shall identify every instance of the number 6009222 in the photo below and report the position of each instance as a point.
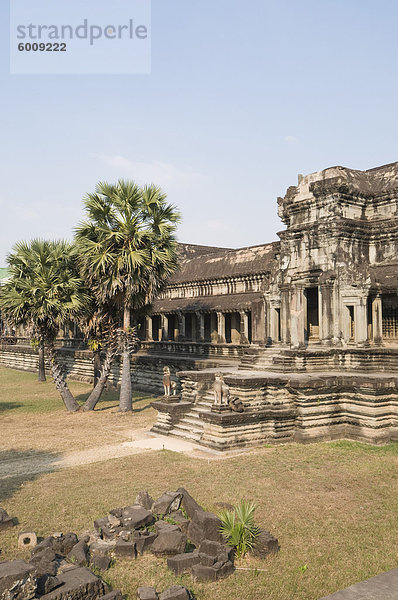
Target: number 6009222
(42, 47)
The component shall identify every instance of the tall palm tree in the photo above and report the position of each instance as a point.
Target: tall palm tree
(127, 251)
(43, 292)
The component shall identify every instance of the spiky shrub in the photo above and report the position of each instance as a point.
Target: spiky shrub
(239, 528)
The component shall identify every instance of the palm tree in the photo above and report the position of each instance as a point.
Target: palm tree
(43, 292)
(127, 251)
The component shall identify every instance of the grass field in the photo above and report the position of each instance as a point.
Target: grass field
(333, 506)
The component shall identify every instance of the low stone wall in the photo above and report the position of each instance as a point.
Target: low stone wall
(147, 370)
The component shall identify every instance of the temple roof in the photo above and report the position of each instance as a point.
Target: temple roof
(231, 302)
(227, 263)
(371, 182)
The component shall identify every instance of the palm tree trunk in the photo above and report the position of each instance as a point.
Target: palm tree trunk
(125, 400)
(42, 370)
(60, 382)
(96, 367)
(105, 372)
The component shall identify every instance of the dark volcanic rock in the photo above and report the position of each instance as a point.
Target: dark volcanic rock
(204, 526)
(182, 563)
(18, 575)
(168, 502)
(265, 544)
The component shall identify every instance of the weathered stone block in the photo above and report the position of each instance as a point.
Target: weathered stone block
(18, 575)
(182, 563)
(204, 526)
(169, 542)
(143, 540)
(144, 500)
(177, 592)
(147, 593)
(101, 562)
(79, 554)
(136, 516)
(188, 503)
(217, 550)
(212, 573)
(123, 548)
(78, 584)
(168, 502)
(27, 540)
(181, 521)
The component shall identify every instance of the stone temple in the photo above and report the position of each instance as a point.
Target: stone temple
(304, 330)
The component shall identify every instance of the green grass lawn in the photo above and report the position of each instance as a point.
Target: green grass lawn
(333, 506)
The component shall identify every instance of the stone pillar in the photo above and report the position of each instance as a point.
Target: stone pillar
(274, 332)
(297, 318)
(200, 323)
(149, 329)
(244, 327)
(181, 327)
(326, 314)
(285, 317)
(164, 325)
(221, 328)
(377, 320)
(361, 321)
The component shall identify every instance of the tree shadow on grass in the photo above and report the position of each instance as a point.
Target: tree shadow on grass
(110, 400)
(5, 406)
(17, 467)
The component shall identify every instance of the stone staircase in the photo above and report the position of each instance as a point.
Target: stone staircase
(261, 359)
(190, 427)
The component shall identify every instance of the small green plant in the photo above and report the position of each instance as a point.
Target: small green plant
(303, 568)
(34, 343)
(238, 527)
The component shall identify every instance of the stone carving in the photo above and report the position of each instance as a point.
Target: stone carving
(221, 391)
(168, 385)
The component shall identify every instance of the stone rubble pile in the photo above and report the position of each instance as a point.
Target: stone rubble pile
(174, 526)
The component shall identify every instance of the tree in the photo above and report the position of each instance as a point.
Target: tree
(43, 292)
(127, 251)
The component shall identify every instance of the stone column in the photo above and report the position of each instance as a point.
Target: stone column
(274, 332)
(164, 325)
(200, 323)
(297, 318)
(361, 321)
(149, 329)
(221, 327)
(285, 317)
(326, 314)
(244, 327)
(377, 316)
(181, 327)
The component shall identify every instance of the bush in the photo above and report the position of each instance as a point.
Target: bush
(238, 527)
